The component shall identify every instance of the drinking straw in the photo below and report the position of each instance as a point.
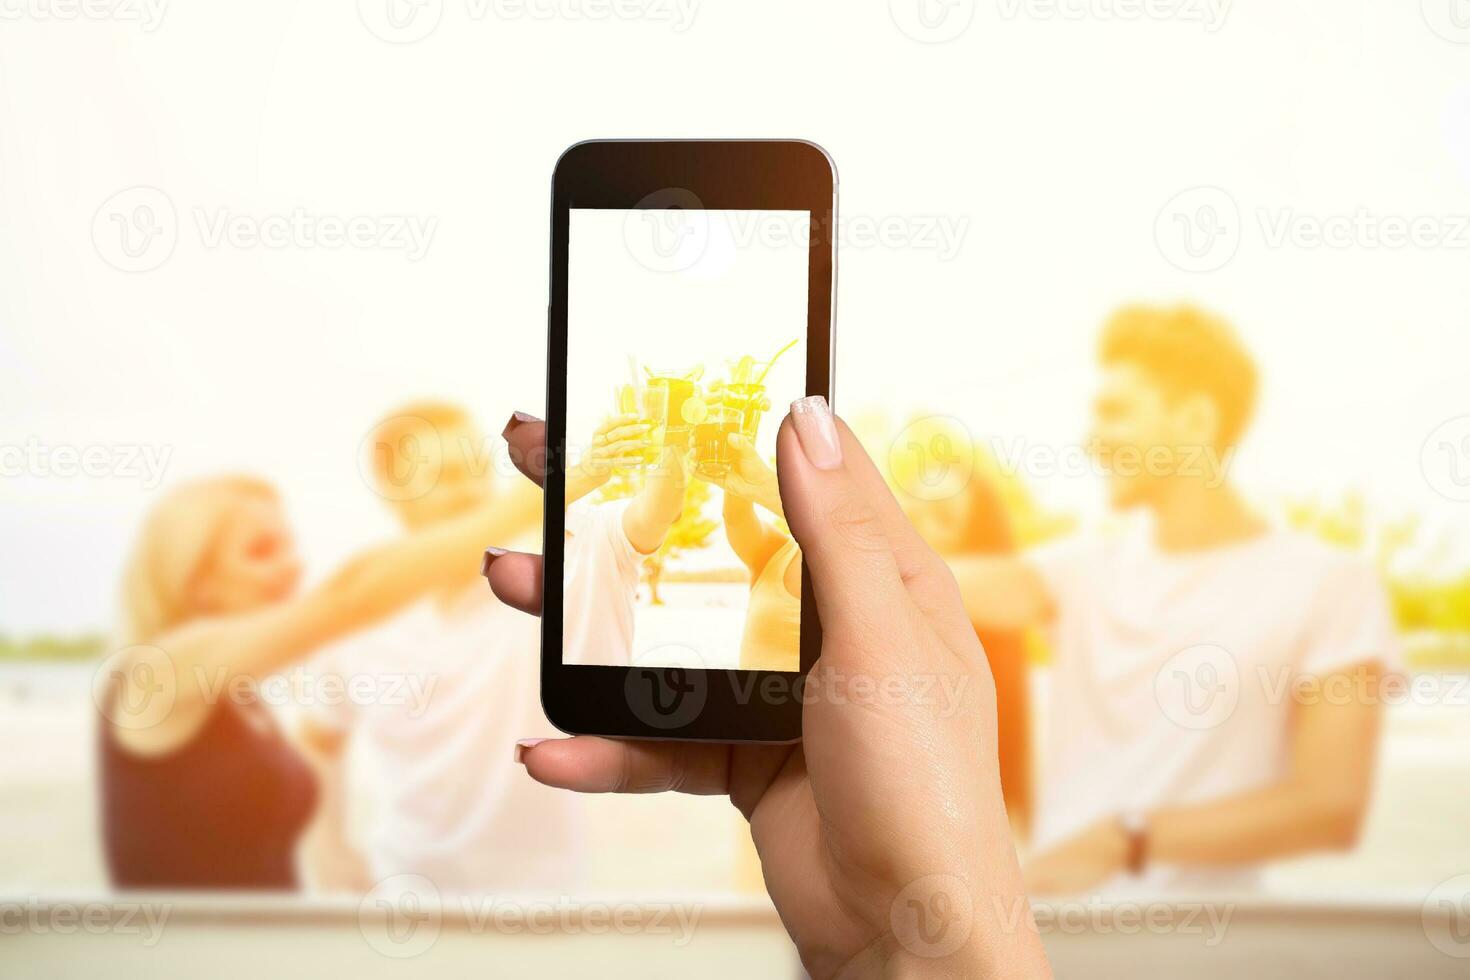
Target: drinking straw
(772, 362)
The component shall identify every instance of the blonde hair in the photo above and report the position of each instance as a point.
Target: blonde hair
(419, 418)
(174, 544)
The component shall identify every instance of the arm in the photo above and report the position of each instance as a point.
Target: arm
(752, 542)
(1319, 806)
(656, 507)
(332, 863)
(619, 441)
(1002, 592)
(368, 588)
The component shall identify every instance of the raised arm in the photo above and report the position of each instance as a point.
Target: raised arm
(370, 587)
(752, 541)
(656, 507)
(1002, 592)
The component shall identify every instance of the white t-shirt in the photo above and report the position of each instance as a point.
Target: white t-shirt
(600, 582)
(1172, 674)
(455, 690)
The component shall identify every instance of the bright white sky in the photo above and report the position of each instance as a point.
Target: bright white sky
(1046, 147)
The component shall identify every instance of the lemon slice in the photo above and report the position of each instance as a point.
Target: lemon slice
(694, 410)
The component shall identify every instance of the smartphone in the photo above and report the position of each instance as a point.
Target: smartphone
(691, 303)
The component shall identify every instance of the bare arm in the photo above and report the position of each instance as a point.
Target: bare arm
(1319, 806)
(752, 541)
(656, 507)
(1002, 592)
(368, 588)
(331, 861)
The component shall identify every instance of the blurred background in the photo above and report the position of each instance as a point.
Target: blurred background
(239, 237)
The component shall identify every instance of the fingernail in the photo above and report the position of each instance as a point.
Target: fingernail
(490, 555)
(524, 745)
(517, 419)
(817, 432)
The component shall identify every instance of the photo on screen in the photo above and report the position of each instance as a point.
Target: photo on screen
(686, 341)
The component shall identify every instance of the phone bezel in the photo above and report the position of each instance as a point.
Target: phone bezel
(738, 705)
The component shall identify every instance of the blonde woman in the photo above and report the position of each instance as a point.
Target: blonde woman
(771, 639)
(199, 789)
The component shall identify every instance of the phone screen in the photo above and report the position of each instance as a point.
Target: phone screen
(686, 342)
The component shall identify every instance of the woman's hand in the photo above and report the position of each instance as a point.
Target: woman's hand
(882, 836)
(619, 442)
(749, 477)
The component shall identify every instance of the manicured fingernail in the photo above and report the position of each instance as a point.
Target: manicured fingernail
(490, 555)
(525, 745)
(517, 419)
(816, 430)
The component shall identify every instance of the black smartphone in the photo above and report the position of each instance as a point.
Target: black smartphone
(691, 303)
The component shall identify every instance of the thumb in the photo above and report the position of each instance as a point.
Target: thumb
(842, 524)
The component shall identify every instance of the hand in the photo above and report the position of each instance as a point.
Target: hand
(338, 867)
(1081, 863)
(749, 477)
(620, 441)
(889, 812)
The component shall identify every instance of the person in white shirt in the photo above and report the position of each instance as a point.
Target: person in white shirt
(607, 541)
(430, 699)
(1212, 696)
